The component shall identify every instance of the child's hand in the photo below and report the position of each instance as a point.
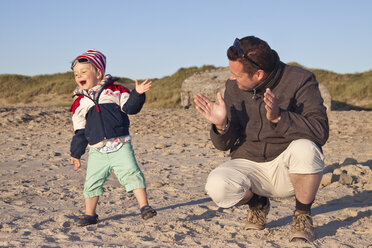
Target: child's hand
(76, 162)
(143, 87)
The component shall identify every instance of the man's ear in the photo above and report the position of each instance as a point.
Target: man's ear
(259, 75)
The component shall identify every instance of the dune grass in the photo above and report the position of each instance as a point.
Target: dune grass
(348, 91)
(55, 88)
(352, 89)
(165, 92)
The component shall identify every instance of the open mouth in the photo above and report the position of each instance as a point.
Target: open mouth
(82, 83)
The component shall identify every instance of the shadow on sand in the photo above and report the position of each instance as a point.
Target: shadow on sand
(328, 229)
(196, 202)
(345, 202)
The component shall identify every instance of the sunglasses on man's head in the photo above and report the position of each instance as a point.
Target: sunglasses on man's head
(80, 60)
(241, 53)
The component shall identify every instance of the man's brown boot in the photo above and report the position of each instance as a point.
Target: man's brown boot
(256, 218)
(302, 227)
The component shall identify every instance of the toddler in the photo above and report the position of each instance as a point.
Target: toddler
(100, 119)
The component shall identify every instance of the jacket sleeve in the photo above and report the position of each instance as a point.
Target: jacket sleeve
(309, 118)
(226, 140)
(230, 136)
(78, 144)
(134, 103)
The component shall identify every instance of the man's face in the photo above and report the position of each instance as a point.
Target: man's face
(243, 80)
(86, 76)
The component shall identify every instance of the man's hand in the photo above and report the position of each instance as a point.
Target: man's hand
(214, 112)
(143, 87)
(76, 162)
(272, 106)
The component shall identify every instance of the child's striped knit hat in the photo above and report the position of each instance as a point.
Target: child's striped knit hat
(95, 57)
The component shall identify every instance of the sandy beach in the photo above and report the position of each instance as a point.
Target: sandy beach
(41, 195)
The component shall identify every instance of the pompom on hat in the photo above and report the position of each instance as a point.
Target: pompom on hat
(95, 57)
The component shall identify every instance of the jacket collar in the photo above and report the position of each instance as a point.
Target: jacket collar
(272, 79)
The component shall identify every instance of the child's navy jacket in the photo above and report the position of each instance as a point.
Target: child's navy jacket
(104, 117)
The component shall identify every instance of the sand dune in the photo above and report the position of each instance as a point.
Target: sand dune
(41, 195)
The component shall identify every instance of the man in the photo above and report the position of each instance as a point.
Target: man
(273, 121)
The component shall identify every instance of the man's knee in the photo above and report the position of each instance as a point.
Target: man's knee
(224, 190)
(305, 157)
(216, 185)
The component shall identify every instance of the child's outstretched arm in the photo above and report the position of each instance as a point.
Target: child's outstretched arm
(137, 98)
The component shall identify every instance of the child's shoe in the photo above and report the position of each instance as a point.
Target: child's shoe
(86, 220)
(147, 212)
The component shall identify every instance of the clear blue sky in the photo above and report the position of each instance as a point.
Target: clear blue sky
(154, 38)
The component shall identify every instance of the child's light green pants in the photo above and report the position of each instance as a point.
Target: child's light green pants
(122, 162)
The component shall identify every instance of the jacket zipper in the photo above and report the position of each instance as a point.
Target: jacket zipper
(261, 126)
(101, 119)
(254, 94)
(98, 111)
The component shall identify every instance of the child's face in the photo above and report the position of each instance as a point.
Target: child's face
(86, 76)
